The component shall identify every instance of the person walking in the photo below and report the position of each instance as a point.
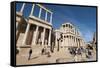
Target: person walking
(30, 53)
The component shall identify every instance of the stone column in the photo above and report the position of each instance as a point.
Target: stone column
(78, 42)
(49, 39)
(51, 18)
(43, 36)
(72, 41)
(46, 16)
(40, 12)
(35, 35)
(69, 41)
(26, 33)
(32, 10)
(22, 7)
(75, 41)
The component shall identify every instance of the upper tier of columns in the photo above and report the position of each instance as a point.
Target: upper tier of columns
(40, 11)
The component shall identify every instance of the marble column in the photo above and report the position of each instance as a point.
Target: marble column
(78, 42)
(46, 16)
(40, 12)
(72, 41)
(32, 10)
(43, 36)
(75, 41)
(49, 38)
(51, 18)
(22, 7)
(69, 41)
(26, 34)
(35, 36)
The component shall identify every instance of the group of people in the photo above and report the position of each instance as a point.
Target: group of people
(79, 51)
(75, 50)
(72, 50)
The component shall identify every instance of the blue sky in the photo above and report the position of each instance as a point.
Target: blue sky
(84, 18)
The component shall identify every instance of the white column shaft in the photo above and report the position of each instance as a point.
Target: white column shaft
(43, 36)
(51, 19)
(26, 33)
(46, 16)
(49, 39)
(40, 12)
(35, 35)
(78, 43)
(32, 10)
(22, 7)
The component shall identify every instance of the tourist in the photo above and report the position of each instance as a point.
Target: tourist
(42, 52)
(30, 53)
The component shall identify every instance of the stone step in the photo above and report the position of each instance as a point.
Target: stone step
(20, 39)
(35, 50)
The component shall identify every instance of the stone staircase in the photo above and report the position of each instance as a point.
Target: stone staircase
(36, 50)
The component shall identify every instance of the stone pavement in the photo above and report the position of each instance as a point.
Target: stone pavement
(56, 57)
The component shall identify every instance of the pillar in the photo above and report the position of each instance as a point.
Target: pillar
(78, 42)
(72, 41)
(46, 16)
(22, 7)
(51, 18)
(75, 41)
(43, 36)
(35, 35)
(40, 12)
(69, 40)
(32, 10)
(26, 33)
(49, 39)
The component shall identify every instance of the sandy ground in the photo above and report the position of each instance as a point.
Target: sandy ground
(56, 57)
